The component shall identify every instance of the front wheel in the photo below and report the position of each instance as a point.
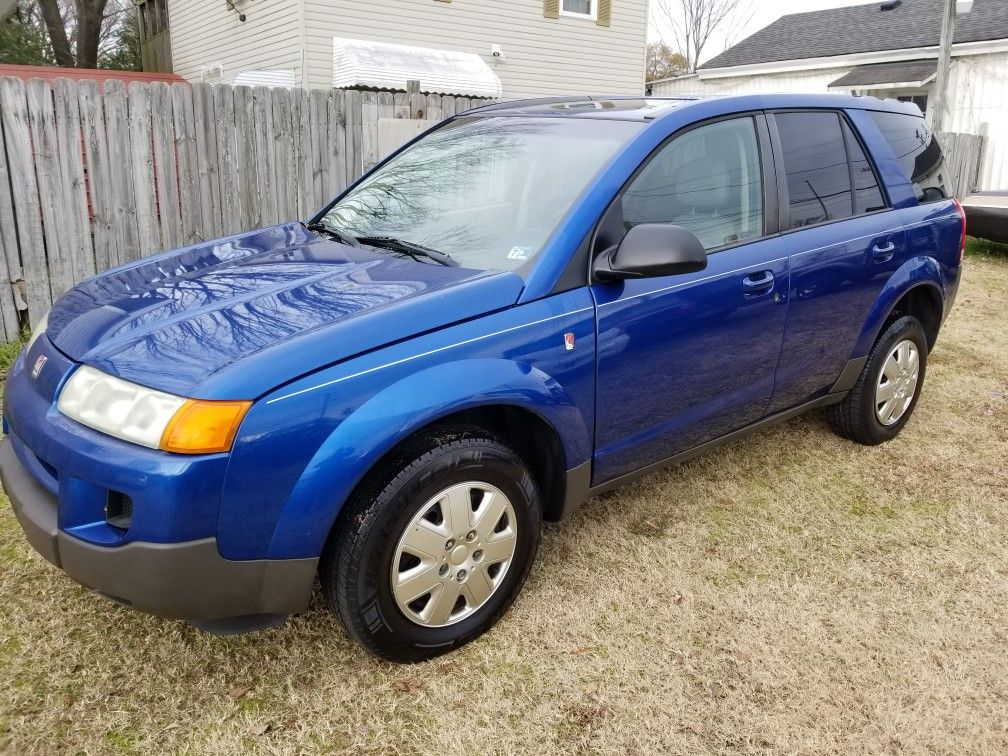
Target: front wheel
(885, 395)
(434, 547)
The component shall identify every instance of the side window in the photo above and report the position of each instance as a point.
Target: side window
(707, 180)
(917, 150)
(815, 161)
(867, 195)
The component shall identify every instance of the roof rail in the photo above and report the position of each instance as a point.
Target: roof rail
(532, 101)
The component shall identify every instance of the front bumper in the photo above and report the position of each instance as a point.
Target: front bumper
(188, 580)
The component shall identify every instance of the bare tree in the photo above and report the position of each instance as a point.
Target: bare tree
(78, 28)
(693, 22)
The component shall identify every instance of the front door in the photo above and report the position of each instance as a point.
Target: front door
(685, 359)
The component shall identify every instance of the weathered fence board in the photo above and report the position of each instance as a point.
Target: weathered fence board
(187, 162)
(120, 176)
(24, 189)
(93, 176)
(99, 183)
(80, 264)
(963, 162)
(11, 302)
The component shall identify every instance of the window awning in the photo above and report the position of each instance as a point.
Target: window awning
(911, 74)
(378, 65)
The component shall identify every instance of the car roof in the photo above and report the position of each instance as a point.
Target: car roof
(653, 108)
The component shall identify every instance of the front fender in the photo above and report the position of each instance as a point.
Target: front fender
(400, 410)
(917, 271)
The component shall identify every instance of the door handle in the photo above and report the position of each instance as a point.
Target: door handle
(883, 253)
(757, 284)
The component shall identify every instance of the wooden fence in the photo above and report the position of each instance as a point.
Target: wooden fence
(964, 155)
(93, 176)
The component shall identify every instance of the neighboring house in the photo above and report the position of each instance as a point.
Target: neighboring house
(883, 49)
(523, 48)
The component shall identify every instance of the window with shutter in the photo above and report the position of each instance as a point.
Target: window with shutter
(579, 8)
(604, 12)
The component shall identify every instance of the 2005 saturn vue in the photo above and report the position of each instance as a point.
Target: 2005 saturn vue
(529, 304)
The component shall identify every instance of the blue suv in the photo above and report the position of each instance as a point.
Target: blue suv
(531, 303)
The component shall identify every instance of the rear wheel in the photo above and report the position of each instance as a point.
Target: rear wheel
(886, 392)
(435, 545)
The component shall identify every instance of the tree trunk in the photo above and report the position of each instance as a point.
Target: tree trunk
(90, 15)
(57, 33)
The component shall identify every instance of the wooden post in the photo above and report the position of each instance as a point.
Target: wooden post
(944, 63)
(412, 90)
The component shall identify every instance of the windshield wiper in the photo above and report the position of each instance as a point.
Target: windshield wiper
(409, 248)
(341, 236)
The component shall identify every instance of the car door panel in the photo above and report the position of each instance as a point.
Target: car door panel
(837, 272)
(686, 359)
(842, 242)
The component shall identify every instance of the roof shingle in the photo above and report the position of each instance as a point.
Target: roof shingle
(860, 29)
(914, 71)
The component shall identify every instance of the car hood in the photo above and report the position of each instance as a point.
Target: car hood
(237, 317)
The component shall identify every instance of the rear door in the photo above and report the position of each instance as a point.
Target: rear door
(684, 359)
(843, 240)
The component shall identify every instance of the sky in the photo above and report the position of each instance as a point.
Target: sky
(765, 13)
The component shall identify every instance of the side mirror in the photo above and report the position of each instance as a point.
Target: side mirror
(652, 249)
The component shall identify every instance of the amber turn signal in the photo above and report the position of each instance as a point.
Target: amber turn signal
(204, 427)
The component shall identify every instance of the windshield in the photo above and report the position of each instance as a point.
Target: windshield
(488, 192)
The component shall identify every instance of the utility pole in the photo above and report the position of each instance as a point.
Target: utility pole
(941, 94)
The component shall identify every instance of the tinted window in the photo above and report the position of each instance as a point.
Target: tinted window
(917, 150)
(707, 180)
(815, 161)
(867, 195)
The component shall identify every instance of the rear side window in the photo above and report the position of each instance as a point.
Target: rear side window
(917, 150)
(867, 195)
(815, 162)
(829, 177)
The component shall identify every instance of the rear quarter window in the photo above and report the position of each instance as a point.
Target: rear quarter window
(918, 152)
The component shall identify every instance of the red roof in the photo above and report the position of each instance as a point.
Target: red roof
(51, 72)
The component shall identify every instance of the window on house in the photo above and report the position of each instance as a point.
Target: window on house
(708, 181)
(153, 17)
(584, 8)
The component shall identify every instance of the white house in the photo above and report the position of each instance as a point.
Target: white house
(509, 48)
(885, 49)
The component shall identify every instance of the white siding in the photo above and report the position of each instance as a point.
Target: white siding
(541, 56)
(814, 80)
(207, 34)
(979, 84)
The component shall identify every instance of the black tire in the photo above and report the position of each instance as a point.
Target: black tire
(356, 565)
(856, 417)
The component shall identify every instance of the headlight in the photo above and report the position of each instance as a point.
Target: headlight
(147, 417)
(39, 329)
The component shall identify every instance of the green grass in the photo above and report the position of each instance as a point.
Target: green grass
(9, 351)
(986, 249)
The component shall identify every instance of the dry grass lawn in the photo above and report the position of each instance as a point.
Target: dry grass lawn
(788, 593)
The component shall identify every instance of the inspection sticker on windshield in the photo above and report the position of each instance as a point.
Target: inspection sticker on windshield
(519, 253)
